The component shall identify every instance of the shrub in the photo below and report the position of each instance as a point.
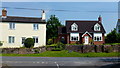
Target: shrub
(36, 50)
(50, 41)
(29, 42)
(60, 45)
(56, 49)
(1, 43)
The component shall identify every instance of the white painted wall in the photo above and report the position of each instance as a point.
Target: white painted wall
(22, 30)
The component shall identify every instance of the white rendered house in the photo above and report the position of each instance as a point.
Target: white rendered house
(14, 30)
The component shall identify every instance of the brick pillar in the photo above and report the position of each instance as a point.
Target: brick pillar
(68, 38)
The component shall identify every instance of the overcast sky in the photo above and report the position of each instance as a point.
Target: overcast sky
(68, 11)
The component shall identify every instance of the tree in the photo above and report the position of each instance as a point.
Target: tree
(52, 27)
(113, 37)
(29, 42)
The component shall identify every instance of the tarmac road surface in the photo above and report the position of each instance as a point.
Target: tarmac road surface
(61, 62)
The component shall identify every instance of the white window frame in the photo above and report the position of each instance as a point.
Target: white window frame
(11, 39)
(74, 35)
(11, 26)
(74, 27)
(35, 26)
(98, 37)
(36, 39)
(97, 27)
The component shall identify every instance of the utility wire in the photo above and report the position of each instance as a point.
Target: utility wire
(60, 10)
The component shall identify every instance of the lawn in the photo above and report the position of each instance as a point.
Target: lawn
(65, 53)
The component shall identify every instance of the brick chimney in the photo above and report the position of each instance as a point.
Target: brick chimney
(100, 19)
(43, 15)
(4, 13)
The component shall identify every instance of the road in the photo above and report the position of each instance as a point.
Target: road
(58, 62)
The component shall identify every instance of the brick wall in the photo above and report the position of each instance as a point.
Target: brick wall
(23, 50)
(93, 48)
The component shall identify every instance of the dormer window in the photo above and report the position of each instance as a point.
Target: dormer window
(97, 27)
(74, 27)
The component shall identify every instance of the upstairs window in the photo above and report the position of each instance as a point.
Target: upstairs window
(74, 27)
(11, 25)
(97, 27)
(35, 26)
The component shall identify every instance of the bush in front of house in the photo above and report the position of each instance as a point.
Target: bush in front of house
(50, 41)
(56, 47)
(29, 42)
(1, 43)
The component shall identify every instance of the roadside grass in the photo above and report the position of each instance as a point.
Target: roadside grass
(65, 53)
(111, 44)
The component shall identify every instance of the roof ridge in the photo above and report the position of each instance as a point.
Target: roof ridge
(23, 17)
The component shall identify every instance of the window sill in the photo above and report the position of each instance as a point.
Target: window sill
(11, 29)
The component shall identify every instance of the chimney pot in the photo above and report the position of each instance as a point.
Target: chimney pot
(43, 15)
(4, 13)
(100, 19)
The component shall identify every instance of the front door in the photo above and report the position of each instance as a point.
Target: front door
(86, 40)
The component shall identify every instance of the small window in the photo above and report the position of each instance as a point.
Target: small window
(74, 27)
(11, 39)
(23, 40)
(97, 38)
(35, 39)
(11, 25)
(97, 27)
(35, 26)
(74, 38)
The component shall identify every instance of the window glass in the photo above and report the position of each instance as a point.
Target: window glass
(97, 27)
(74, 27)
(23, 40)
(11, 25)
(35, 39)
(11, 39)
(35, 26)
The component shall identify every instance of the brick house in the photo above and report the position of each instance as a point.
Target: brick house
(82, 32)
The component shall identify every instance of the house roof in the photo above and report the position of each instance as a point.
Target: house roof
(22, 19)
(61, 30)
(83, 26)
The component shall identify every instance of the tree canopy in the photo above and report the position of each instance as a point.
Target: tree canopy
(52, 27)
(113, 37)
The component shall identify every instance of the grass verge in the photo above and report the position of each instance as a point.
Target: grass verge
(65, 53)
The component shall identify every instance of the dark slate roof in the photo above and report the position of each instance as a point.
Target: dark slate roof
(84, 26)
(61, 30)
(22, 19)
